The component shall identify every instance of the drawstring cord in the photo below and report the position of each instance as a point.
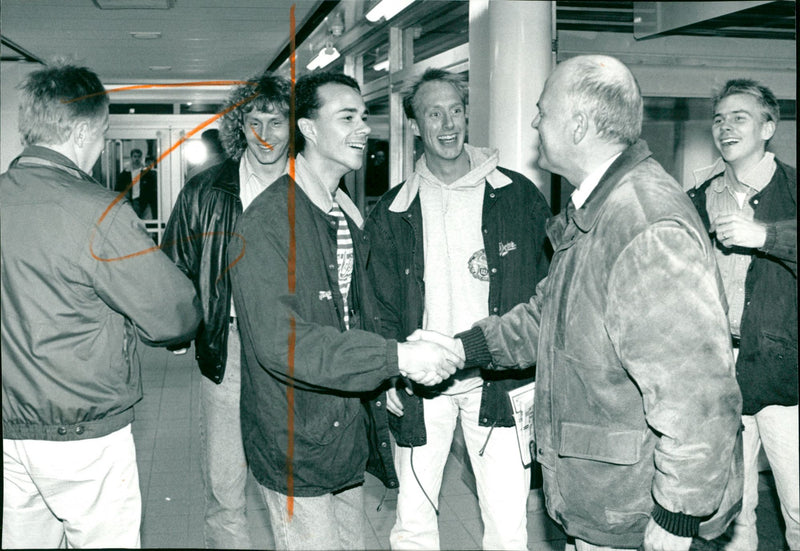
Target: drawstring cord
(483, 448)
(420, 484)
(380, 505)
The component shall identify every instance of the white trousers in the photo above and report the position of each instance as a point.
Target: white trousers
(503, 483)
(82, 493)
(776, 429)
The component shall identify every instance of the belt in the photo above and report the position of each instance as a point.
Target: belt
(735, 341)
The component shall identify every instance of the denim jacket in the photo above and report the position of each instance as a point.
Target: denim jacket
(513, 222)
(636, 407)
(767, 364)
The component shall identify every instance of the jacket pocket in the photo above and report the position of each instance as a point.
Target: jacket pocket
(325, 417)
(602, 480)
(618, 447)
(778, 350)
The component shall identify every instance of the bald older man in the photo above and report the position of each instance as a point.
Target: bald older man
(637, 407)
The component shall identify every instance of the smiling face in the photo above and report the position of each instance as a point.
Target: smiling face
(440, 121)
(740, 130)
(337, 135)
(267, 135)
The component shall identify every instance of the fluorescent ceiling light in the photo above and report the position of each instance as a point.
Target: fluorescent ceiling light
(160, 67)
(325, 57)
(387, 9)
(134, 4)
(145, 35)
(382, 66)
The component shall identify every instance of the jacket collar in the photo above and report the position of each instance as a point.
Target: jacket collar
(226, 176)
(586, 216)
(757, 178)
(480, 160)
(309, 182)
(704, 174)
(53, 158)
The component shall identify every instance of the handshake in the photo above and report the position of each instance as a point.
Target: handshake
(428, 357)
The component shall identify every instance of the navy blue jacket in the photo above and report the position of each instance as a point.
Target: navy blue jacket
(514, 213)
(767, 364)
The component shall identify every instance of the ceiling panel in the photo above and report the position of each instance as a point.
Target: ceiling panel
(771, 20)
(200, 39)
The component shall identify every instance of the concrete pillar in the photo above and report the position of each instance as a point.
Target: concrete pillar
(510, 57)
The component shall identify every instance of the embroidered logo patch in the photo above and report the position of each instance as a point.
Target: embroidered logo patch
(506, 248)
(325, 295)
(479, 266)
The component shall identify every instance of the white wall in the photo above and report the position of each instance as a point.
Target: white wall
(12, 73)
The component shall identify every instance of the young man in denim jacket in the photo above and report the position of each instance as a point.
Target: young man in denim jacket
(748, 202)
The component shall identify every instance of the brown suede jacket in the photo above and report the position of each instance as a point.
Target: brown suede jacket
(637, 410)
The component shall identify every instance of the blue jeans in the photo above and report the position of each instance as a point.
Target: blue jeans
(330, 521)
(224, 465)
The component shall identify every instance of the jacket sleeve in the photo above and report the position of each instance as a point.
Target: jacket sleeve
(507, 341)
(666, 320)
(386, 280)
(135, 278)
(277, 325)
(781, 242)
(182, 239)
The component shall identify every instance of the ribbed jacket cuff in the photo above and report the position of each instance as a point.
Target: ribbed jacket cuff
(475, 348)
(679, 524)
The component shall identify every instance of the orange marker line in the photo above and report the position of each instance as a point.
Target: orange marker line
(167, 85)
(135, 181)
(291, 275)
(261, 140)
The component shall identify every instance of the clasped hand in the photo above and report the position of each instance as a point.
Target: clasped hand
(428, 358)
(735, 230)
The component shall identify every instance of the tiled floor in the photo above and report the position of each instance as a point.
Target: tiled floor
(167, 438)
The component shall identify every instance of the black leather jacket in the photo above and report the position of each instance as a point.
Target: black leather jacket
(196, 239)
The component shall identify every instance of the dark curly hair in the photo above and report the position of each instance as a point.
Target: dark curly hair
(272, 94)
(306, 99)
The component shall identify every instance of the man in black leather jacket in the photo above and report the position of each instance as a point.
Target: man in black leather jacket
(255, 134)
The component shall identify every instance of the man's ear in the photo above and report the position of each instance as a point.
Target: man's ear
(307, 129)
(414, 127)
(767, 130)
(580, 126)
(79, 133)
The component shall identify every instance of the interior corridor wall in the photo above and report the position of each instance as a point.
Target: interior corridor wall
(12, 73)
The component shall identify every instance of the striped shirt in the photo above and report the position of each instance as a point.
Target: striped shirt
(344, 257)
